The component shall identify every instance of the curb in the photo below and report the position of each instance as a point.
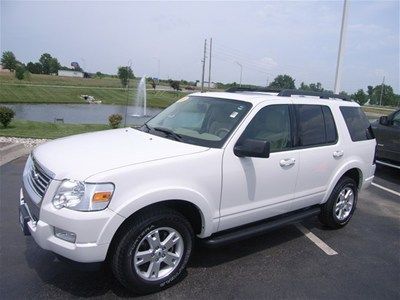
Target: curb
(14, 151)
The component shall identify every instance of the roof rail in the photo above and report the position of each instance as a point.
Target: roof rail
(236, 89)
(322, 95)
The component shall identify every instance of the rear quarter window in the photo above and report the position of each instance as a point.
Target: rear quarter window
(357, 123)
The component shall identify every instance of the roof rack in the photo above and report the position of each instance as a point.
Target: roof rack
(236, 89)
(322, 95)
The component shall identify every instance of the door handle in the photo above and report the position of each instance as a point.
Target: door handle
(338, 153)
(287, 162)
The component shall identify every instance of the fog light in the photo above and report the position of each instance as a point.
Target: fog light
(65, 235)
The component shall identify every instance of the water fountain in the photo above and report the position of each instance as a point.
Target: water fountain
(140, 101)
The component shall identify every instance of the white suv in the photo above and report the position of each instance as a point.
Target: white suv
(218, 166)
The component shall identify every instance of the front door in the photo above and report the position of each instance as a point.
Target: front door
(258, 188)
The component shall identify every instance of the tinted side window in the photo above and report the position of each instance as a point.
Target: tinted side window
(311, 125)
(357, 123)
(330, 127)
(272, 124)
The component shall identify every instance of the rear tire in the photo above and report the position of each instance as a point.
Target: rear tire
(339, 208)
(151, 253)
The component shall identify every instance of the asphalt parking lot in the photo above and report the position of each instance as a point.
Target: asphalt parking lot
(282, 264)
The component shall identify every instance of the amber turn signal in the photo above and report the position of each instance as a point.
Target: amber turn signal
(101, 196)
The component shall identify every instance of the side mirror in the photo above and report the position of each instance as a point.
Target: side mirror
(384, 120)
(252, 148)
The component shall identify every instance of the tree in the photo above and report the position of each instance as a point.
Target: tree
(282, 82)
(388, 96)
(19, 72)
(124, 74)
(153, 83)
(49, 64)
(360, 97)
(34, 68)
(99, 74)
(8, 61)
(175, 85)
(315, 87)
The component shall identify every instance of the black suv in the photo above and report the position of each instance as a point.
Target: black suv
(387, 133)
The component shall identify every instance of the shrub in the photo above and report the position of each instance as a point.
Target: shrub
(6, 115)
(115, 120)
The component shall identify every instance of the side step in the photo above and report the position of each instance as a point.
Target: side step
(234, 235)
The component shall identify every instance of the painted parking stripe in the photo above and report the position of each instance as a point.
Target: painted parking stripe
(316, 240)
(385, 189)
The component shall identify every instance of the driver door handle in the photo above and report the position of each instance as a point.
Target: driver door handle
(287, 162)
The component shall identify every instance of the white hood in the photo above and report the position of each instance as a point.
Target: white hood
(80, 156)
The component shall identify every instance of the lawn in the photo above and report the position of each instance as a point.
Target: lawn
(39, 79)
(71, 94)
(42, 130)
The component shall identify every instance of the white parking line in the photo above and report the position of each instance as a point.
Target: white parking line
(385, 189)
(316, 240)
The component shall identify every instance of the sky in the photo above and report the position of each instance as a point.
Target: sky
(267, 38)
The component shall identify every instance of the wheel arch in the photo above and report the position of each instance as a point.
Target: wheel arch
(352, 170)
(186, 208)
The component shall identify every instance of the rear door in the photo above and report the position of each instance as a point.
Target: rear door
(319, 150)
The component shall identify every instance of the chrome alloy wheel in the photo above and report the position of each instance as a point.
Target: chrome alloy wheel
(344, 203)
(158, 253)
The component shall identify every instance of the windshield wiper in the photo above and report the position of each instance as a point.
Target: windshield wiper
(147, 127)
(167, 131)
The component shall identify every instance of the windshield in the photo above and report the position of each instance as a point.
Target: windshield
(198, 120)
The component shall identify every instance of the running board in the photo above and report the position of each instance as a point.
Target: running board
(234, 235)
(387, 164)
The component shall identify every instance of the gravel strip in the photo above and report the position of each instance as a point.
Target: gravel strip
(27, 142)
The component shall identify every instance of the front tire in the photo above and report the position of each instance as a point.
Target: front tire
(339, 208)
(151, 253)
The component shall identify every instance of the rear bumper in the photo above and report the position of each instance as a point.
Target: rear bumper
(368, 180)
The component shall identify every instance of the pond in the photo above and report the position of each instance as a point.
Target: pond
(78, 113)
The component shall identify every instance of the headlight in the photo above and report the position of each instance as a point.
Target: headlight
(83, 196)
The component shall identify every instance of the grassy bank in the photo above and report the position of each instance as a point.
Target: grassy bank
(43, 130)
(65, 95)
(54, 89)
(40, 79)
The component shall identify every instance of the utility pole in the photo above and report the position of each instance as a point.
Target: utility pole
(204, 65)
(341, 46)
(209, 66)
(241, 72)
(383, 84)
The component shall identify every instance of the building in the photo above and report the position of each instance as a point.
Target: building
(70, 73)
(213, 85)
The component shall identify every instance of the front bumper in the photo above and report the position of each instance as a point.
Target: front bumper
(94, 230)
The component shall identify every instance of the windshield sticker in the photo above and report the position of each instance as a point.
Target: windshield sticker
(234, 114)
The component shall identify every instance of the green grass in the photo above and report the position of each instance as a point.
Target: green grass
(42, 130)
(64, 94)
(384, 111)
(9, 78)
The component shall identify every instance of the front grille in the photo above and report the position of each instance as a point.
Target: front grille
(38, 179)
